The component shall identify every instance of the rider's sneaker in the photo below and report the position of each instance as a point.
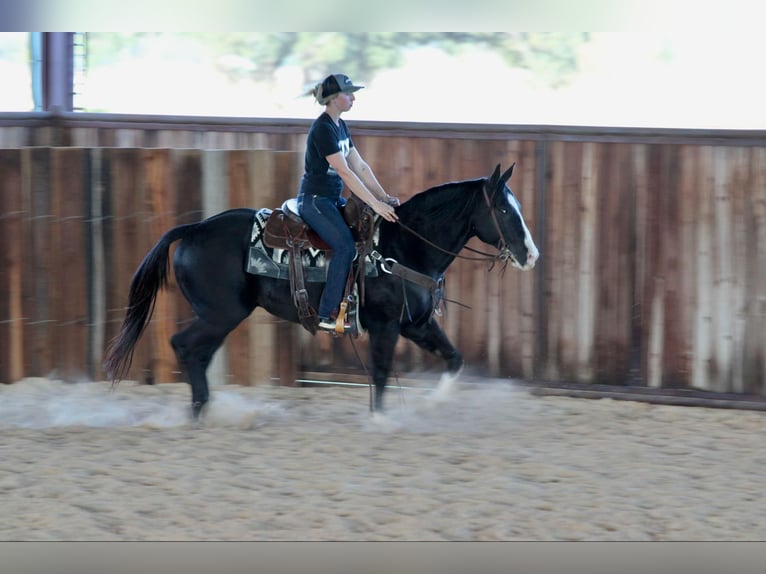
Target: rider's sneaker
(329, 325)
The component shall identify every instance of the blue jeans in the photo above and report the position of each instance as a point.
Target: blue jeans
(322, 214)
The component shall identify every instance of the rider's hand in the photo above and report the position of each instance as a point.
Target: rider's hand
(385, 210)
(392, 201)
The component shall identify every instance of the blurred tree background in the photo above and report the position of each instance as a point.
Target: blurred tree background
(552, 57)
(675, 78)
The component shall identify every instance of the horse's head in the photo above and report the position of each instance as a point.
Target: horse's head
(499, 222)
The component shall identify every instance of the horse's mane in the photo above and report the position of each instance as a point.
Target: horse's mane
(444, 202)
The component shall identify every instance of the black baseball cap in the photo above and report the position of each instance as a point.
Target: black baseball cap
(337, 83)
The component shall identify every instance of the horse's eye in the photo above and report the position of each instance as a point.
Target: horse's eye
(503, 210)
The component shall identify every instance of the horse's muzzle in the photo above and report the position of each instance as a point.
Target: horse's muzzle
(505, 255)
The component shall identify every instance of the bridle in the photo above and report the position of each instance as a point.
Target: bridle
(504, 253)
(391, 266)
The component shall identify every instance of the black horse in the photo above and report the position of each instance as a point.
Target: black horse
(209, 266)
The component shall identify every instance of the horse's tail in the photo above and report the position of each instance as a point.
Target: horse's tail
(149, 278)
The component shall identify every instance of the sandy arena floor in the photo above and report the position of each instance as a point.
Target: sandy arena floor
(489, 462)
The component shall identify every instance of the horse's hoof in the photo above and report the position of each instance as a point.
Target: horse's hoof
(383, 422)
(196, 411)
(446, 387)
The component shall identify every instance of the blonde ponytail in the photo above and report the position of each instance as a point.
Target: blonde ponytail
(316, 92)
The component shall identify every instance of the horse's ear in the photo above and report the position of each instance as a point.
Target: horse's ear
(508, 173)
(493, 179)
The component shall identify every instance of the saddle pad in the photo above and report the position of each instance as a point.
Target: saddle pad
(268, 262)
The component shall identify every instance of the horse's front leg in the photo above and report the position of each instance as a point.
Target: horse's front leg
(383, 337)
(431, 338)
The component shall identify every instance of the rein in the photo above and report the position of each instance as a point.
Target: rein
(503, 254)
(447, 251)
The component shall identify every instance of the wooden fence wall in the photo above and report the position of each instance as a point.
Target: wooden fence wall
(652, 269)
(76, 224)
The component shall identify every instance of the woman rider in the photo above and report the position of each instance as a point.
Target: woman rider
(332, 161)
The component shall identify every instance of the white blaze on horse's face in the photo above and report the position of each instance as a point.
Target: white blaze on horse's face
(532, 252)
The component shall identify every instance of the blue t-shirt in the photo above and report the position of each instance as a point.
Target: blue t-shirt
(324, 138)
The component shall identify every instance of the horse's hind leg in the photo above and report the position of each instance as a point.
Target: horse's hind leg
(431, 338)
(194, 348)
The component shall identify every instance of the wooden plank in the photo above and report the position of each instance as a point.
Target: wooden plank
(469, 278)
(69, 296)
(686, 298)
(703, 255)
(409, 357)
(491, 301)
(739, 162)
(450, 321)
(433, 155)
(483, 291)
(573, 206)
(11, 267)
(607, 234)
(36, 304)
(754, 337)
(621, 218)
(503, 290)
(507, 311)
(527, 282)
(287, 352)
(723, 278)
(554, 268)
(263, 343)
(673, 367)
(187, 182)
(238, 342)
(400, 169)
(97, 313)
(160, 203)
(587, 280)
(404, 158)
(215, 199)
(638, 247)
(655, 262)
(126, 242)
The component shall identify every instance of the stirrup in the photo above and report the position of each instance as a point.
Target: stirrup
(334, 326)
(340, 322)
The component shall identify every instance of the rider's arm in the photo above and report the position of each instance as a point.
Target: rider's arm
(358, 188)
(365, 173)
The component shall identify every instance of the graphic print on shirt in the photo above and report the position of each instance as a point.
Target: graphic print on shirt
(345, 148)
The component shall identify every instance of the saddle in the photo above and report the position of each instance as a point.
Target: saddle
(285, 229)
